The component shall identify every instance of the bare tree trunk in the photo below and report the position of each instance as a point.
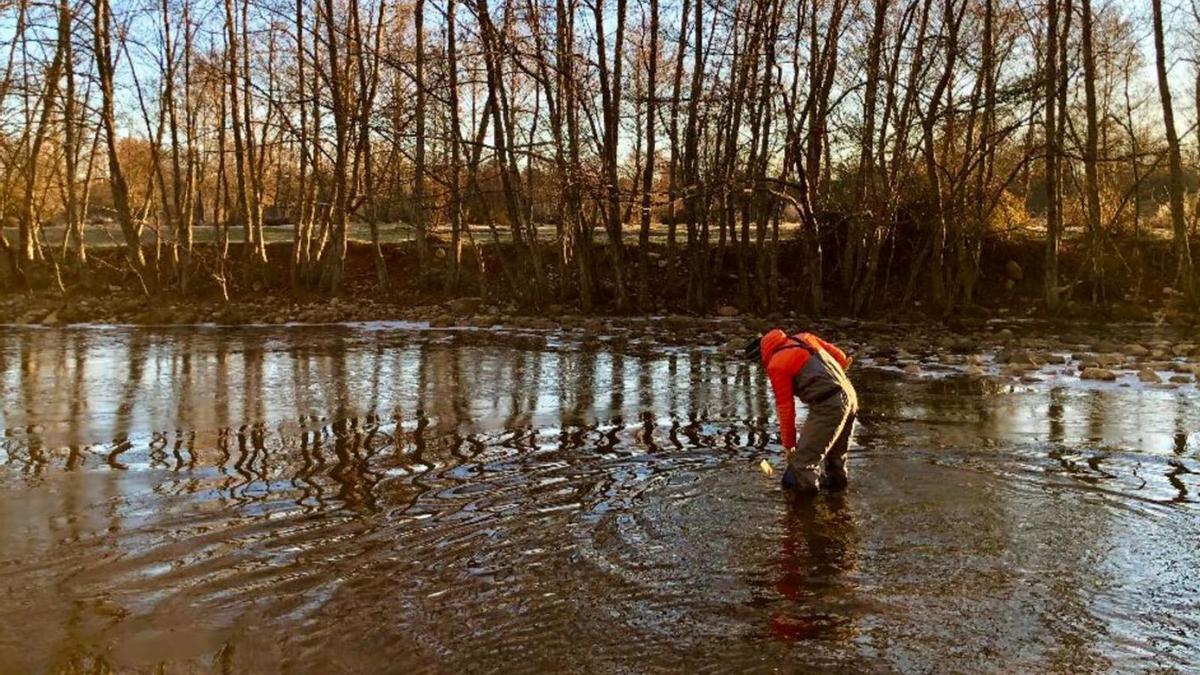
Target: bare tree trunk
(10, 167)
(945, 208)
(301, 229)
(648, 174)
(71, 145)
(1178, 222)
(693, 186)
(116, 177)
(673, 190)
(610, 93)
(864, 227)
(254, 245)
(333, 272)
(368, 74)
(221, 206)
(169, 103)
(233, 82)
(1053, 217)
(419, 187)
(569, 101)
(455, 206)
(29, 225)
(1090, 160)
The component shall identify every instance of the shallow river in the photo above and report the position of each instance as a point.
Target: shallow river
(379, 499)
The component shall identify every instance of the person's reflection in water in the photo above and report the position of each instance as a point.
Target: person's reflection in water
(819, 548)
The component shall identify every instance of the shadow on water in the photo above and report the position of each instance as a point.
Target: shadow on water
(349, 499)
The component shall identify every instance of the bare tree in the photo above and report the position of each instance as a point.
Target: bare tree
(116, 177)
(1053, 216)
(648, 170)
(1174, 159)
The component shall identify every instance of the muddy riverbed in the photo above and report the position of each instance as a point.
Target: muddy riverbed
(385, 497)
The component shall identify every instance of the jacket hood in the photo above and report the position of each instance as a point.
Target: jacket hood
(771, 342)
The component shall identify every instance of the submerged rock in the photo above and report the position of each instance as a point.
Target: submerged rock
(1149, 376)
(1016, 369)
(1100, 374)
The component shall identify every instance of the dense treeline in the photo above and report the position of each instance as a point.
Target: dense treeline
(891, 137)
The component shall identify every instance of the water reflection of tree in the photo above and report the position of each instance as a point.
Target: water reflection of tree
(576, 388)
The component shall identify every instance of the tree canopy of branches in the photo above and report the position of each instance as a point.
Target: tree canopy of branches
(615, 150)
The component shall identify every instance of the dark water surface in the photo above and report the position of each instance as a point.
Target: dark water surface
(351, 499)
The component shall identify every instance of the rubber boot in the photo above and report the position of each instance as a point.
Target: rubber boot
(836, 476)
(801, 482)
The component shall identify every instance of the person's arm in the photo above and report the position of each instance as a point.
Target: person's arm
(837, 354)
(785, 405)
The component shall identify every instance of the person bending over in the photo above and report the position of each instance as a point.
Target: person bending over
(806, 367)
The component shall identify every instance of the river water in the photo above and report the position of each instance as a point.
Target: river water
(373, 498)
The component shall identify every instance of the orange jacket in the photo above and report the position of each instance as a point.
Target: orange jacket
(783, 359)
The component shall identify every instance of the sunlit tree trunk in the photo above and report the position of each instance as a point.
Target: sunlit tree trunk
(1053, 217)
(116, 176)
(1175, 163)
(1090, 156)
